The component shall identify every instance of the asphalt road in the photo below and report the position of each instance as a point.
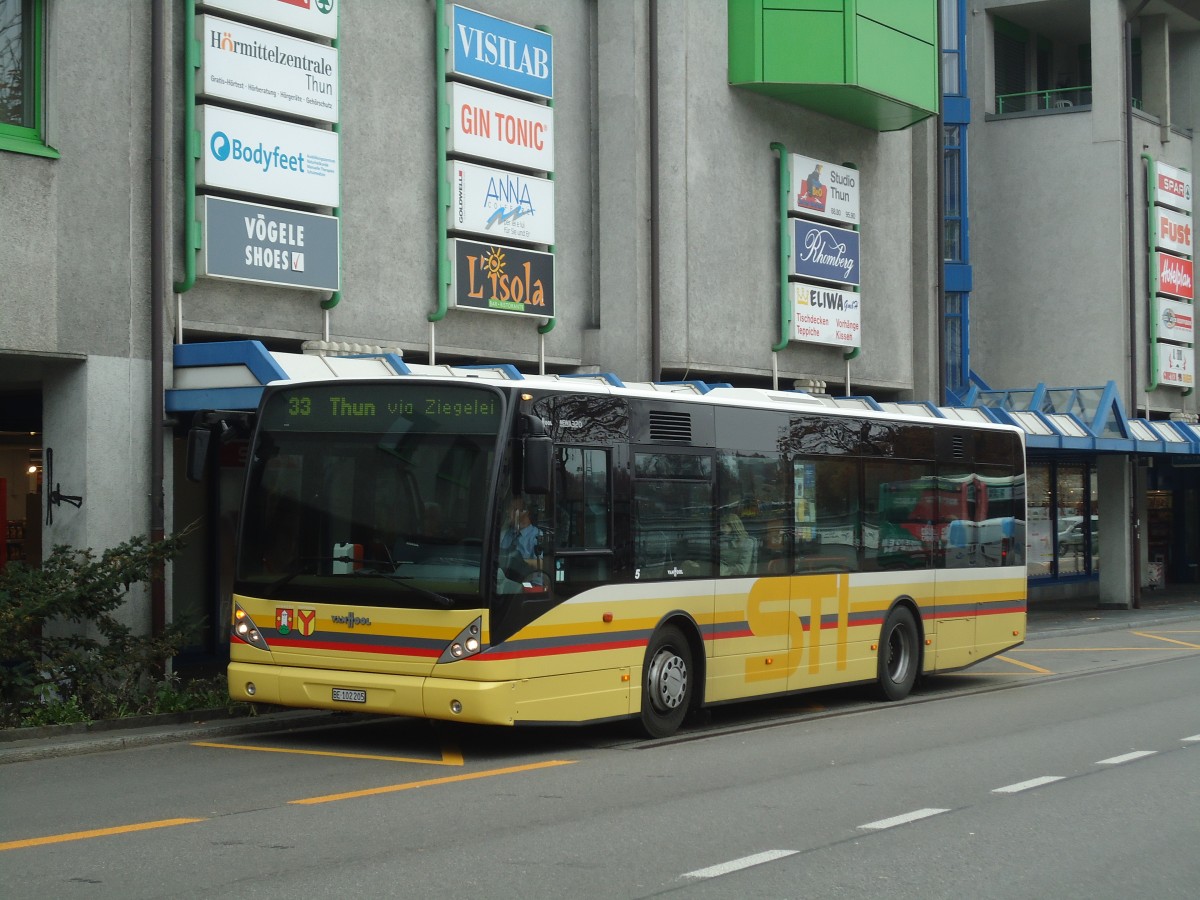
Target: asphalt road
(1066, 768)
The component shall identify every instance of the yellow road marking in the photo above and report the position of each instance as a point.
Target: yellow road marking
(95, 833)
(1030, 666)
(1087, 649)
(450, 755)
(1157, 637)
(450, 779)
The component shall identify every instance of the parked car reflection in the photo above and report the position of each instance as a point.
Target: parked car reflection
(1070, 537)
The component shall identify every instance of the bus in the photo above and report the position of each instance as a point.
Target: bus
(549, 549)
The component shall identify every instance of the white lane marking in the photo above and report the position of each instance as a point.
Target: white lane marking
(1027, 785)
(735, 865)
(902, 820)
(1194, 737)
(1125, 757)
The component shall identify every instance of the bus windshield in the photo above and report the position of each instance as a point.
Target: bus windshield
(370, 493)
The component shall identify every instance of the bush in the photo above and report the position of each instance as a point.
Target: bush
(101, 670)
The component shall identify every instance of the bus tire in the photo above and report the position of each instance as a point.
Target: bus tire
(668, 682)
(899, 654)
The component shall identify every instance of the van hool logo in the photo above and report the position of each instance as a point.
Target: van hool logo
(350, 620)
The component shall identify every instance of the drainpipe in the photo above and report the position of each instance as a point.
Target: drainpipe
(655, 273)
(939, 218)
(159, 287)
(1131, 290)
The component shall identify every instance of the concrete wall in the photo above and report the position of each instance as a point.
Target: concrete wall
(75, 259)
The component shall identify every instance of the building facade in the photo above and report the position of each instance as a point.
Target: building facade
(1073, 123)
(205, 184)
(666, 238)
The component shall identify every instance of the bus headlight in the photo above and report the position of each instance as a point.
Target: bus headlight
(465, 645)
(245, 630)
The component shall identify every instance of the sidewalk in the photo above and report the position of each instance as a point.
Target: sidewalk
(1085, 614)
(1046, 618)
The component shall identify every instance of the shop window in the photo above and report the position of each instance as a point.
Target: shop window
(21, 78)
(1064, 520)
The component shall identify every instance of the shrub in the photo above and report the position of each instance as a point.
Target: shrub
(100, 669)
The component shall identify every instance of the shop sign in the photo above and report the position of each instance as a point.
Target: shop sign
(319, 17)
(825, 252)
(269, 245)
(1172, 231)
(825, 315)
(1174, 320)
(495, 51)
(1175, 366)
(501, 129)
(501, 279)
(823, 190)
(1172, 187)
(266, 69)
(1174, 276)
(501, 204)
(268, 157)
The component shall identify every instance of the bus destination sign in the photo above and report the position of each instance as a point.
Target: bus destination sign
(383, 408)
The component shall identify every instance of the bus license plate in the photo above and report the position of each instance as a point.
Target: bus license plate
(349, 696)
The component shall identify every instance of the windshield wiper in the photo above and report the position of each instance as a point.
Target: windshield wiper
(405, 581)
(302, 564)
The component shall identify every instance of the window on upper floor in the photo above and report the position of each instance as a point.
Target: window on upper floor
(1040, 68)
(953, 80)
(21, 77)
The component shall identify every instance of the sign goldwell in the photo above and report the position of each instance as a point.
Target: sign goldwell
(319, 17)
(268, 157)
(266, 69)
(501, 204)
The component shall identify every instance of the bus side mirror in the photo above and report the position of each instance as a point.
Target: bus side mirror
(198, 448)
(537, 469)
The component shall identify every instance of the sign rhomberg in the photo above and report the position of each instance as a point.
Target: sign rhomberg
(500, 279)
(825, 252)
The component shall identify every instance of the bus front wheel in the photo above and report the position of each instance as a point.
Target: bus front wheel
(667, 682)
(899, 654)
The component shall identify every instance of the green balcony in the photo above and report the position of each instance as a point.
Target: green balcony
(870, 62)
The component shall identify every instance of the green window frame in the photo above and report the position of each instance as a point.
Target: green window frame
(22, 78)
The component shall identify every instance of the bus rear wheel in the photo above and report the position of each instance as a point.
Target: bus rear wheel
(899, 654)
(667, 682)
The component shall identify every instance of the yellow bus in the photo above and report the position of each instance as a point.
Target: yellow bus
(548, 549)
